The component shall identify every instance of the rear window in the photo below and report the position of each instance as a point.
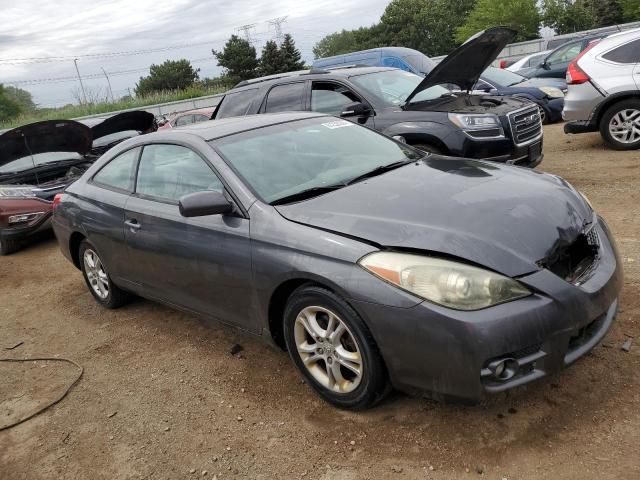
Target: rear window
(236, 104)
(627, 53)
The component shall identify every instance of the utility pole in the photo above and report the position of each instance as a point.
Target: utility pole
(246, 32)
(277, 23)
(84, 94)
(108, 83)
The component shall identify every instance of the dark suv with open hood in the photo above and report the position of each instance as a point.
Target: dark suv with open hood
(39, 160)
(418, 111)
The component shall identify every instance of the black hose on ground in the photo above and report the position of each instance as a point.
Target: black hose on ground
(56, 400)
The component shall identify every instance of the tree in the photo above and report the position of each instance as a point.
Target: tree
(567, 16)
(9, 109)
(631, 10)
(607, 12)
(171, 75)
(427, 26)
(291, 57)
(22, 97)
(271, 60)
(522, 15)
(238, 57)
(348, 41)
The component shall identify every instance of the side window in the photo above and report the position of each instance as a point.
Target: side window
(327, 97)
(120, 172)
(564, 54)
(285, 98)
(168, 172)
(395, 62)
(200, 118)
(236, 104)
(184, 120)
(627, 53)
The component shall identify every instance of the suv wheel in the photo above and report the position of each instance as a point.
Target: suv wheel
(98, 280)
(620, 125)
(333, 349)
(9, 246)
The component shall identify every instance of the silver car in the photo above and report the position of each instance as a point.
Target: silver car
(604, 91)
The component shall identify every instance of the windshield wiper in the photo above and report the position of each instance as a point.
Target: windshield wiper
(378, 171)
(308, 193)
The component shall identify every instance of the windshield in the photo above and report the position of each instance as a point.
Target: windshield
(501, 77)
(26, 163)
(114, 137)
(394, 86)
(282, 160)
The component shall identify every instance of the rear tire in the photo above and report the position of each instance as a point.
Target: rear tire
(9, 246)
(333, 349)
(97, 278)
(620, 125)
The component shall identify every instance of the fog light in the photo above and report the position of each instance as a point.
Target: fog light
(504, 369)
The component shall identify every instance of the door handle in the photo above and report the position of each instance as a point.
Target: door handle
(133, 224)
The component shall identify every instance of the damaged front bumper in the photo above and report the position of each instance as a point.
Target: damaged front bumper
(448, 354)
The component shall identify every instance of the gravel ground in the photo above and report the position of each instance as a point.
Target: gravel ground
(162, 397)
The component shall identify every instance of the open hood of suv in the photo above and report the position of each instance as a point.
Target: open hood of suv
(43, 137)
(137, 120)
(465, 64)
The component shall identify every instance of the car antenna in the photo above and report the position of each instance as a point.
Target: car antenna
(33, 160)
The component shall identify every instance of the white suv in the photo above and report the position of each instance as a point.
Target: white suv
(604, 90)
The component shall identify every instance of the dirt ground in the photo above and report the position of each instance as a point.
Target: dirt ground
(162, 397)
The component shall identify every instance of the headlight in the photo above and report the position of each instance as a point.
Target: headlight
(445, 282)
(8, 191)
(552, 92)
(478, 123)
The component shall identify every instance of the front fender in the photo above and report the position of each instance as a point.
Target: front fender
(445, 137)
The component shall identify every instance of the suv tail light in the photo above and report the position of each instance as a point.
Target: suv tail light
(575, 75)
(56, 200)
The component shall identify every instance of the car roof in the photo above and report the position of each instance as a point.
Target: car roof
(319, 73)
(229, 126)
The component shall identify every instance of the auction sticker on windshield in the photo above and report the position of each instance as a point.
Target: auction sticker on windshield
(338, 124)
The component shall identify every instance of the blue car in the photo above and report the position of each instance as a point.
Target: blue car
(547, 93)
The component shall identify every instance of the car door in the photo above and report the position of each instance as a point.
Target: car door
(333, 98)
(199, 263)
(103, 213)
(557, 62)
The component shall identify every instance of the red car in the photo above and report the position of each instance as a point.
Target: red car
(187, 118)
(41, 159)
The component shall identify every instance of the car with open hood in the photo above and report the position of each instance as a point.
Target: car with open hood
(41, 159)
(408, 107)
(371, 262)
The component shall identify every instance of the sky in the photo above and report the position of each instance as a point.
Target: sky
(33, 31)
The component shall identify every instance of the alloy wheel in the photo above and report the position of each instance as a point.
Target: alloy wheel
(96, 274)
(543, 115)
(624, 126)
(328, 350)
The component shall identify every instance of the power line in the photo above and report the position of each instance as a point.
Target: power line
(65, 58)
(245, 30)
(277, 23)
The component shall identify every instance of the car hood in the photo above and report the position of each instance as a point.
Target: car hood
(504, 218)
(43, 137)
(465, 64)
(544, 82)
(137, 120)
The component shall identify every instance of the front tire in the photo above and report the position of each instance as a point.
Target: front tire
(333, 349)
(97, 278)
(9, 246)
(620, 125)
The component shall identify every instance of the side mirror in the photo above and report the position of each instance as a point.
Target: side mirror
(545, 65)
(356, 109)
(200, 204)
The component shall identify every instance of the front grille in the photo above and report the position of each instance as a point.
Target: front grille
(586, 333)
(574, 260)
(525, 125)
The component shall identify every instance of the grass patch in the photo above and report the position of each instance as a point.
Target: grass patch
(75, 111)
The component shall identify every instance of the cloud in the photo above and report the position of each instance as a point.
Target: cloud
(40, 28)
